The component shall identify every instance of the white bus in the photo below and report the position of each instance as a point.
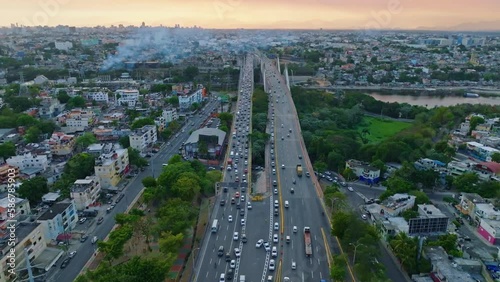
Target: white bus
(215, 226)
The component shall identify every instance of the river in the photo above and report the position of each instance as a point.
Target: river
(431, 102)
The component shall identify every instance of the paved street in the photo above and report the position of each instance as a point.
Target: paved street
(86, 250)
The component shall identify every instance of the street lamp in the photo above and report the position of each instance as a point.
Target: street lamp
(355, 249)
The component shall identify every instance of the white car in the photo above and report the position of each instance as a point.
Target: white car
(82, 220)
(295, 229)
(259, 243)
(350, 189)
(272, 264)
(274, 252)
(237, 252)
(275, 191)
(283, 166)
(242, 221)
(230, 218)
(267, 246)
(235, 236)
(232, 264)
(275, 238)
(249, 205)
(274, 171)
(294, 265)
(276, 226)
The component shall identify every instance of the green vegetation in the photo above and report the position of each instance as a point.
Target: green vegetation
(376, 130)
(259, 137)
(171, 197)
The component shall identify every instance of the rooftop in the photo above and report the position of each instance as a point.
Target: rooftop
(356, 163)
(23, 229)
(205, 131)
(451, 271)
(429, 211)
(54, 210)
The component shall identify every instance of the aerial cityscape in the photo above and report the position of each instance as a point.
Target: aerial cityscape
(227, 140)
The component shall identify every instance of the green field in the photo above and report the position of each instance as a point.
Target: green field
(378, 129)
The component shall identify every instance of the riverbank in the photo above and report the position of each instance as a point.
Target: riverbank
(431, 101)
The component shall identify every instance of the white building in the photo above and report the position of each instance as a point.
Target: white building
(58, 219)
(85, 192)
(64, 46)
(364, 171)
(127, 97)
(458, 168)
(481, 151)
(22, 208)
(111, 167)
(143, 137)
(28, 161)
(98, 96)
(169, 115)
(186, 100)
(78, 123)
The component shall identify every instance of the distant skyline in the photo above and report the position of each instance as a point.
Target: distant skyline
(284, 14)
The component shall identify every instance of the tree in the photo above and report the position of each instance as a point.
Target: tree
(190, 73)
(340, 223)
(85, 140)
(33, 135)
(226, 118)
(20, 104)
(186, 187)
(170, 243)
(466, 182)
(174, 101)
(80, 166)
(149, 181)
(26, 120)
(63, 97)
(349, 174)
(135, 158)
(76, 102)
(7, 150)
(495, 157)
(338, 268)
(124, 141)
(139, 123)
(33, 189)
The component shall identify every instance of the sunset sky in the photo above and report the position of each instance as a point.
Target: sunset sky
(337, 14)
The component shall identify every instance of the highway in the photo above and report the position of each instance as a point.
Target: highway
(305, 209)
(86, 250)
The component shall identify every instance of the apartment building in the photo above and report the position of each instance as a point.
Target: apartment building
(455, 168)
(23, 208)
(29, 161)
(127, 97)
(62, 144)
(7, 171)
(481, 151)
(99, 96)
(49, 107)
(169, 115)
(144, 137)
(111, 167)
(85, 192)
(58, 219)
(431, 221)
(109, 134)
(187, 100)
(364, 171)
(467, 205)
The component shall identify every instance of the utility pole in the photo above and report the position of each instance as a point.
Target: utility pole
(355, 249)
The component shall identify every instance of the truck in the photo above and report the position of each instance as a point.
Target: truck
(307, 241)
(299, 170)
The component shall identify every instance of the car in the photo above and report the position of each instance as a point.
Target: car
(228, 256)
(236, 236)
(94, 240)
(364, 217)
(272, 163)
(229, 274)
(238, 206)
(220, 252)
(242, 212)
(274, 252)
(232, 264)
(82, 220)
(242, 221)
(72, 254)
(282, 137)
(244, 238)
(259, 243)
(242, 199)
(294, 265)
(350, 189)
(275, 191)
(308, 174)
(237, 252)
(275, 238)
(100, 220)
(249, 205)
(237, 194)
(274, 171)
(292, 190)
(295, 229)
(230, 218)
(276, 226)
(272, 264)
(65, 262)
(300, 157)
(267, 246)
(84, 238)
(283, 166)
(275, 183)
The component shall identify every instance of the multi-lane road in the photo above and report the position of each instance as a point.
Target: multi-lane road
(86, 250)
(304, 207)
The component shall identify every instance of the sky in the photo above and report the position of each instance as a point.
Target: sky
(292, 14)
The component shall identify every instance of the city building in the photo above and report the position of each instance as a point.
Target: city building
(487, 170)
(58, 219)
(127, 97)
(63, 46)
(111, 167)
(187, 100)
(489, 230)
(7, 171)
(62, 144)
(396, 204)
(444, 269)
(431, 221)
(49, 107)
(99, 96)
(481, 151)
(40, 79)
(144, 137)
(30, 240)
(428, 164)
(22, 209)
(455, 168)
(212, 138)
(365, 172)
(29, 161)
(85, 192)
(109, 134)
(467, 205)
(169, 115)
